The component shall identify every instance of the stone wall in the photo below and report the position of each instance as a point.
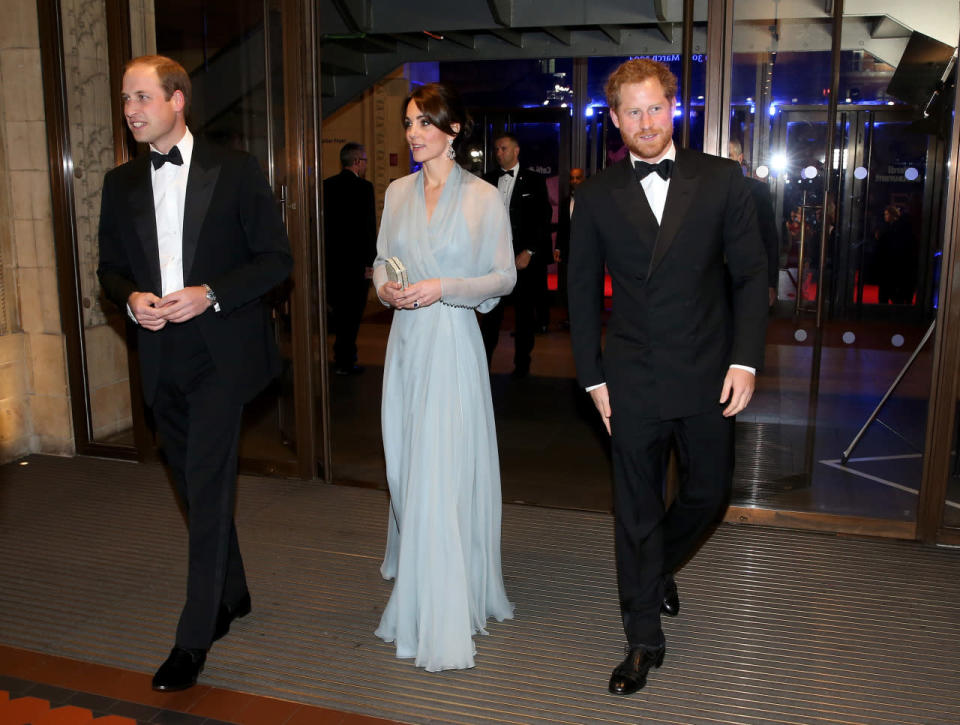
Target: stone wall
(86, 65)
(34, 400)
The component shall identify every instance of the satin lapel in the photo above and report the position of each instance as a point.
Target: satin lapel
(632, 202)
(683, 185)
(517, 190)
(201, 182)
(140, 198)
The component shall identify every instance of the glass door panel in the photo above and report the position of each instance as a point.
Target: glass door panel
(233, 52)
(816, 438)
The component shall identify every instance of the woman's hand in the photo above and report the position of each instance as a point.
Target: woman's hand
(419, 294)
(388, 293)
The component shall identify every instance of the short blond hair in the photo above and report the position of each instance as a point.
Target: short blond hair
(638, 70)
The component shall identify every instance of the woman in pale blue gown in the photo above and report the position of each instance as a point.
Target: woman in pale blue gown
(451, 231)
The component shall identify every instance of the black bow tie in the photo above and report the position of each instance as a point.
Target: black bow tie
(505, 173)
(158, 159)
(641, 169)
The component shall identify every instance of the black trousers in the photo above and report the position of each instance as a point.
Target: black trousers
(198, 421)
(652, 541)
(524, 300)
(349, 300)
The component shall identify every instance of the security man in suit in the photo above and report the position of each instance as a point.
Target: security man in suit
(678, 233)
(524, 193)
(350, 226)
(190, 241)
(561, 252)
(766, 218)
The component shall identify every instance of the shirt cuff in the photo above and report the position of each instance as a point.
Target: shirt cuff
(594, 387)
(132, 316)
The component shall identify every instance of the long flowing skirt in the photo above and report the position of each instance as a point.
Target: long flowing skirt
(443, 541)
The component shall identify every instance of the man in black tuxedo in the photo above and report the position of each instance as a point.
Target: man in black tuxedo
(678, 233)
(561, 251)
(190, 241)
(350, 226)
(524, 193)
(765, 218)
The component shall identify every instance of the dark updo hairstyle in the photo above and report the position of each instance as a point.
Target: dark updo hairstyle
(442, 106)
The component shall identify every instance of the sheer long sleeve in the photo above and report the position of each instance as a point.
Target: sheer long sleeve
(383, 245)
(493, 245)
(379, 278)
(467, 243)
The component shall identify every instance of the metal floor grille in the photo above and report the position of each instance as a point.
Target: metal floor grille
(776, 626)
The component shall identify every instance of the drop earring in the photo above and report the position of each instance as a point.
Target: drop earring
(451, 154)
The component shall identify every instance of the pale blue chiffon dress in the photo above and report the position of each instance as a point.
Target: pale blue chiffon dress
(443, 470)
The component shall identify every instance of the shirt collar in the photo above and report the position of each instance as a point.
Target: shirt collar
(185, 145)
(515, 168)
(671, 154)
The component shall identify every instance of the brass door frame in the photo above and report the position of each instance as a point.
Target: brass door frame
(301, 71)
(945, 388)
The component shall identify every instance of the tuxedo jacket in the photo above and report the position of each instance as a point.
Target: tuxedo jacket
(233, 240)
(689, 296)
(530, 213)
(350, 226)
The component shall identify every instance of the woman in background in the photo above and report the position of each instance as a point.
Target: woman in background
(451, 232)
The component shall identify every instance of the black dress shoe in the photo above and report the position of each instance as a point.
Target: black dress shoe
(180, 671)
(631, 674)
(671, 598)
(228, 613)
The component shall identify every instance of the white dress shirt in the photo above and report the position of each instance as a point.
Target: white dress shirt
(169, 184)
(169, 197)
(655, 188)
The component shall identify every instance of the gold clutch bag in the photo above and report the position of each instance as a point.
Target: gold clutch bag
(396, 272)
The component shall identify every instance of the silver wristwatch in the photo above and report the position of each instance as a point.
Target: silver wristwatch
(211, 295)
